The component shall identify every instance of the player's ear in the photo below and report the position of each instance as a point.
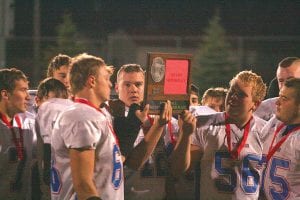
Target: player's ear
(37, 100)
(116, 88)
(91, 81)
(4, 94)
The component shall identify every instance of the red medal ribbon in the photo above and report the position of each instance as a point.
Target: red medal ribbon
(272, 149)
(235, 153)
(85, 101)
(18, 142)
(171, 134)
(173, 140)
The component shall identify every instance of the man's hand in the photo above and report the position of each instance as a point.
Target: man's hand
(142, 114)
(165, 113)
(187, 123)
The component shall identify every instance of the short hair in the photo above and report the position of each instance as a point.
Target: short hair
(194, 89)
(217, 92)
(83, 66)
(259, 88)
(52, 85)
(129, 68)
(294, 83)
(288, 61)
(57, 62)
(8, 78)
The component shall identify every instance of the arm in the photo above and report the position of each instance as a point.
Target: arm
(140, 154)
(82, 174)
(181, 156)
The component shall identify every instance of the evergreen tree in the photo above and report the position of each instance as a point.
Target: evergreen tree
(213, 64)
(67, 40)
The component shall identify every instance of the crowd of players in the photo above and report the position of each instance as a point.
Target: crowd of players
(76, 143)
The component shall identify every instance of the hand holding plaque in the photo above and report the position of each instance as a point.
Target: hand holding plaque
(167, 78)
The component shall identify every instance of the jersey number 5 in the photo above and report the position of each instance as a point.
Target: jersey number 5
(278, 180)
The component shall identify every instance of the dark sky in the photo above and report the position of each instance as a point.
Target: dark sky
(99, 17)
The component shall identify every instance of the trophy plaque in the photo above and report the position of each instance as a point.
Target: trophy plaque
(167, 78)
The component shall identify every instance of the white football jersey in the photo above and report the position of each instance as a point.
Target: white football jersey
(47, 114)
(15, 175)
(82, 126)
(221, 176)
(282, 175)
(266, 110)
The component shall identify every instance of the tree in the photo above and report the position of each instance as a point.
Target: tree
(67, 40)
(214, 63)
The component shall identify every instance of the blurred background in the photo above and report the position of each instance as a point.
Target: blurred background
(223, 36)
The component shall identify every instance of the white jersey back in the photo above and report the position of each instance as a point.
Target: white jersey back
(15, 175)
(47, 114)
(81, 126)
(282, 175)
(221, 176)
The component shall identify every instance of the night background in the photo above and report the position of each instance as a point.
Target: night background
(98, 17)
(269, 30)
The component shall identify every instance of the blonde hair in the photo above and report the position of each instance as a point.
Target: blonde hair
(82, 66)
(217, 92)
(259, 88)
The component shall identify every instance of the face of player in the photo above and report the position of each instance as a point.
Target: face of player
(103, 85)
(216, 103)
(18, 99)
(194, 100)
(283, 74)
(239, 103)
(287, 108)
(130, 87)
(63, 75)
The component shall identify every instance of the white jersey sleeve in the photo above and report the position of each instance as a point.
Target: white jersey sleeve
(83, 134)
(266, 110)
(201, 110)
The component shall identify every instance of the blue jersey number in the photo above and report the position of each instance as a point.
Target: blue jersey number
(229, 172)
(55, 180)
(279, 181)
(117, 171)
(249, 176)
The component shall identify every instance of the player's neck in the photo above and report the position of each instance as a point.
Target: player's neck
(294, 121)
(90, 97)
(4, 111)
(240, 121)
